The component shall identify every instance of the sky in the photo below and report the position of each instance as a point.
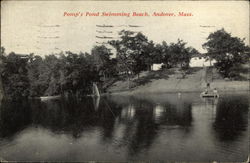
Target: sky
(40, 27)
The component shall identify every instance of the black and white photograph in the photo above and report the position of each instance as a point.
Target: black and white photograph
(119, 81)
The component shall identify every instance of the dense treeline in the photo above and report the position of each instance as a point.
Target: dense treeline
(135, 53)
(69, 73)
(32, 75)
(73, 74)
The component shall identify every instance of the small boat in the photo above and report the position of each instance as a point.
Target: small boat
(208, 95)
(45, 98)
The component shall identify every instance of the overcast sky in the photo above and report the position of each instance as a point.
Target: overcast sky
(41, 28)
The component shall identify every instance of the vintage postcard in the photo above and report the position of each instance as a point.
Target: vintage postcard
(124, 81)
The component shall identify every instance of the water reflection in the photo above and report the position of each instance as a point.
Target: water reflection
(231, 118)
(153, 127)
(14, 116)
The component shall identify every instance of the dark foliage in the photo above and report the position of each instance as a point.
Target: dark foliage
(229, 52)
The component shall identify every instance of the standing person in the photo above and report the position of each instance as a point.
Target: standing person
(206, 91)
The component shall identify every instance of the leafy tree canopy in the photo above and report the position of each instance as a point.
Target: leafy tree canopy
(227, 50)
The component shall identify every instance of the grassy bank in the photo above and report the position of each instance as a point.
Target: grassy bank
(173, 80)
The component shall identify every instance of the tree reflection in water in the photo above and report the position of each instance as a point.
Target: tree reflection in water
(134, 125)
(14, 116)
(142, 119)
(148, 119)
(231, 117)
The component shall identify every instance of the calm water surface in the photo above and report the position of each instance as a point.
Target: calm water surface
(119, 128)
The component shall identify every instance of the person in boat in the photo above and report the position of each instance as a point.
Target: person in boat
(207, 89)
(179, 95)
(208, 85)
(215, 91)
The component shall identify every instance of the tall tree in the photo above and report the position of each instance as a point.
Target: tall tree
(162, 54)
(180, 54)
(15, 76)
(132, 50)
(228, 51)
(102, 60)
(35, 68)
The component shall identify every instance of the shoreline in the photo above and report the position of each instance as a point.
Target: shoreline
(125, 93)
(167, 87)
(165, 82)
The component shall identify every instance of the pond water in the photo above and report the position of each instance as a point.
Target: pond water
(120, 128)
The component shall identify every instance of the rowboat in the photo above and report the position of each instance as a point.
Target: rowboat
(209, 95)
